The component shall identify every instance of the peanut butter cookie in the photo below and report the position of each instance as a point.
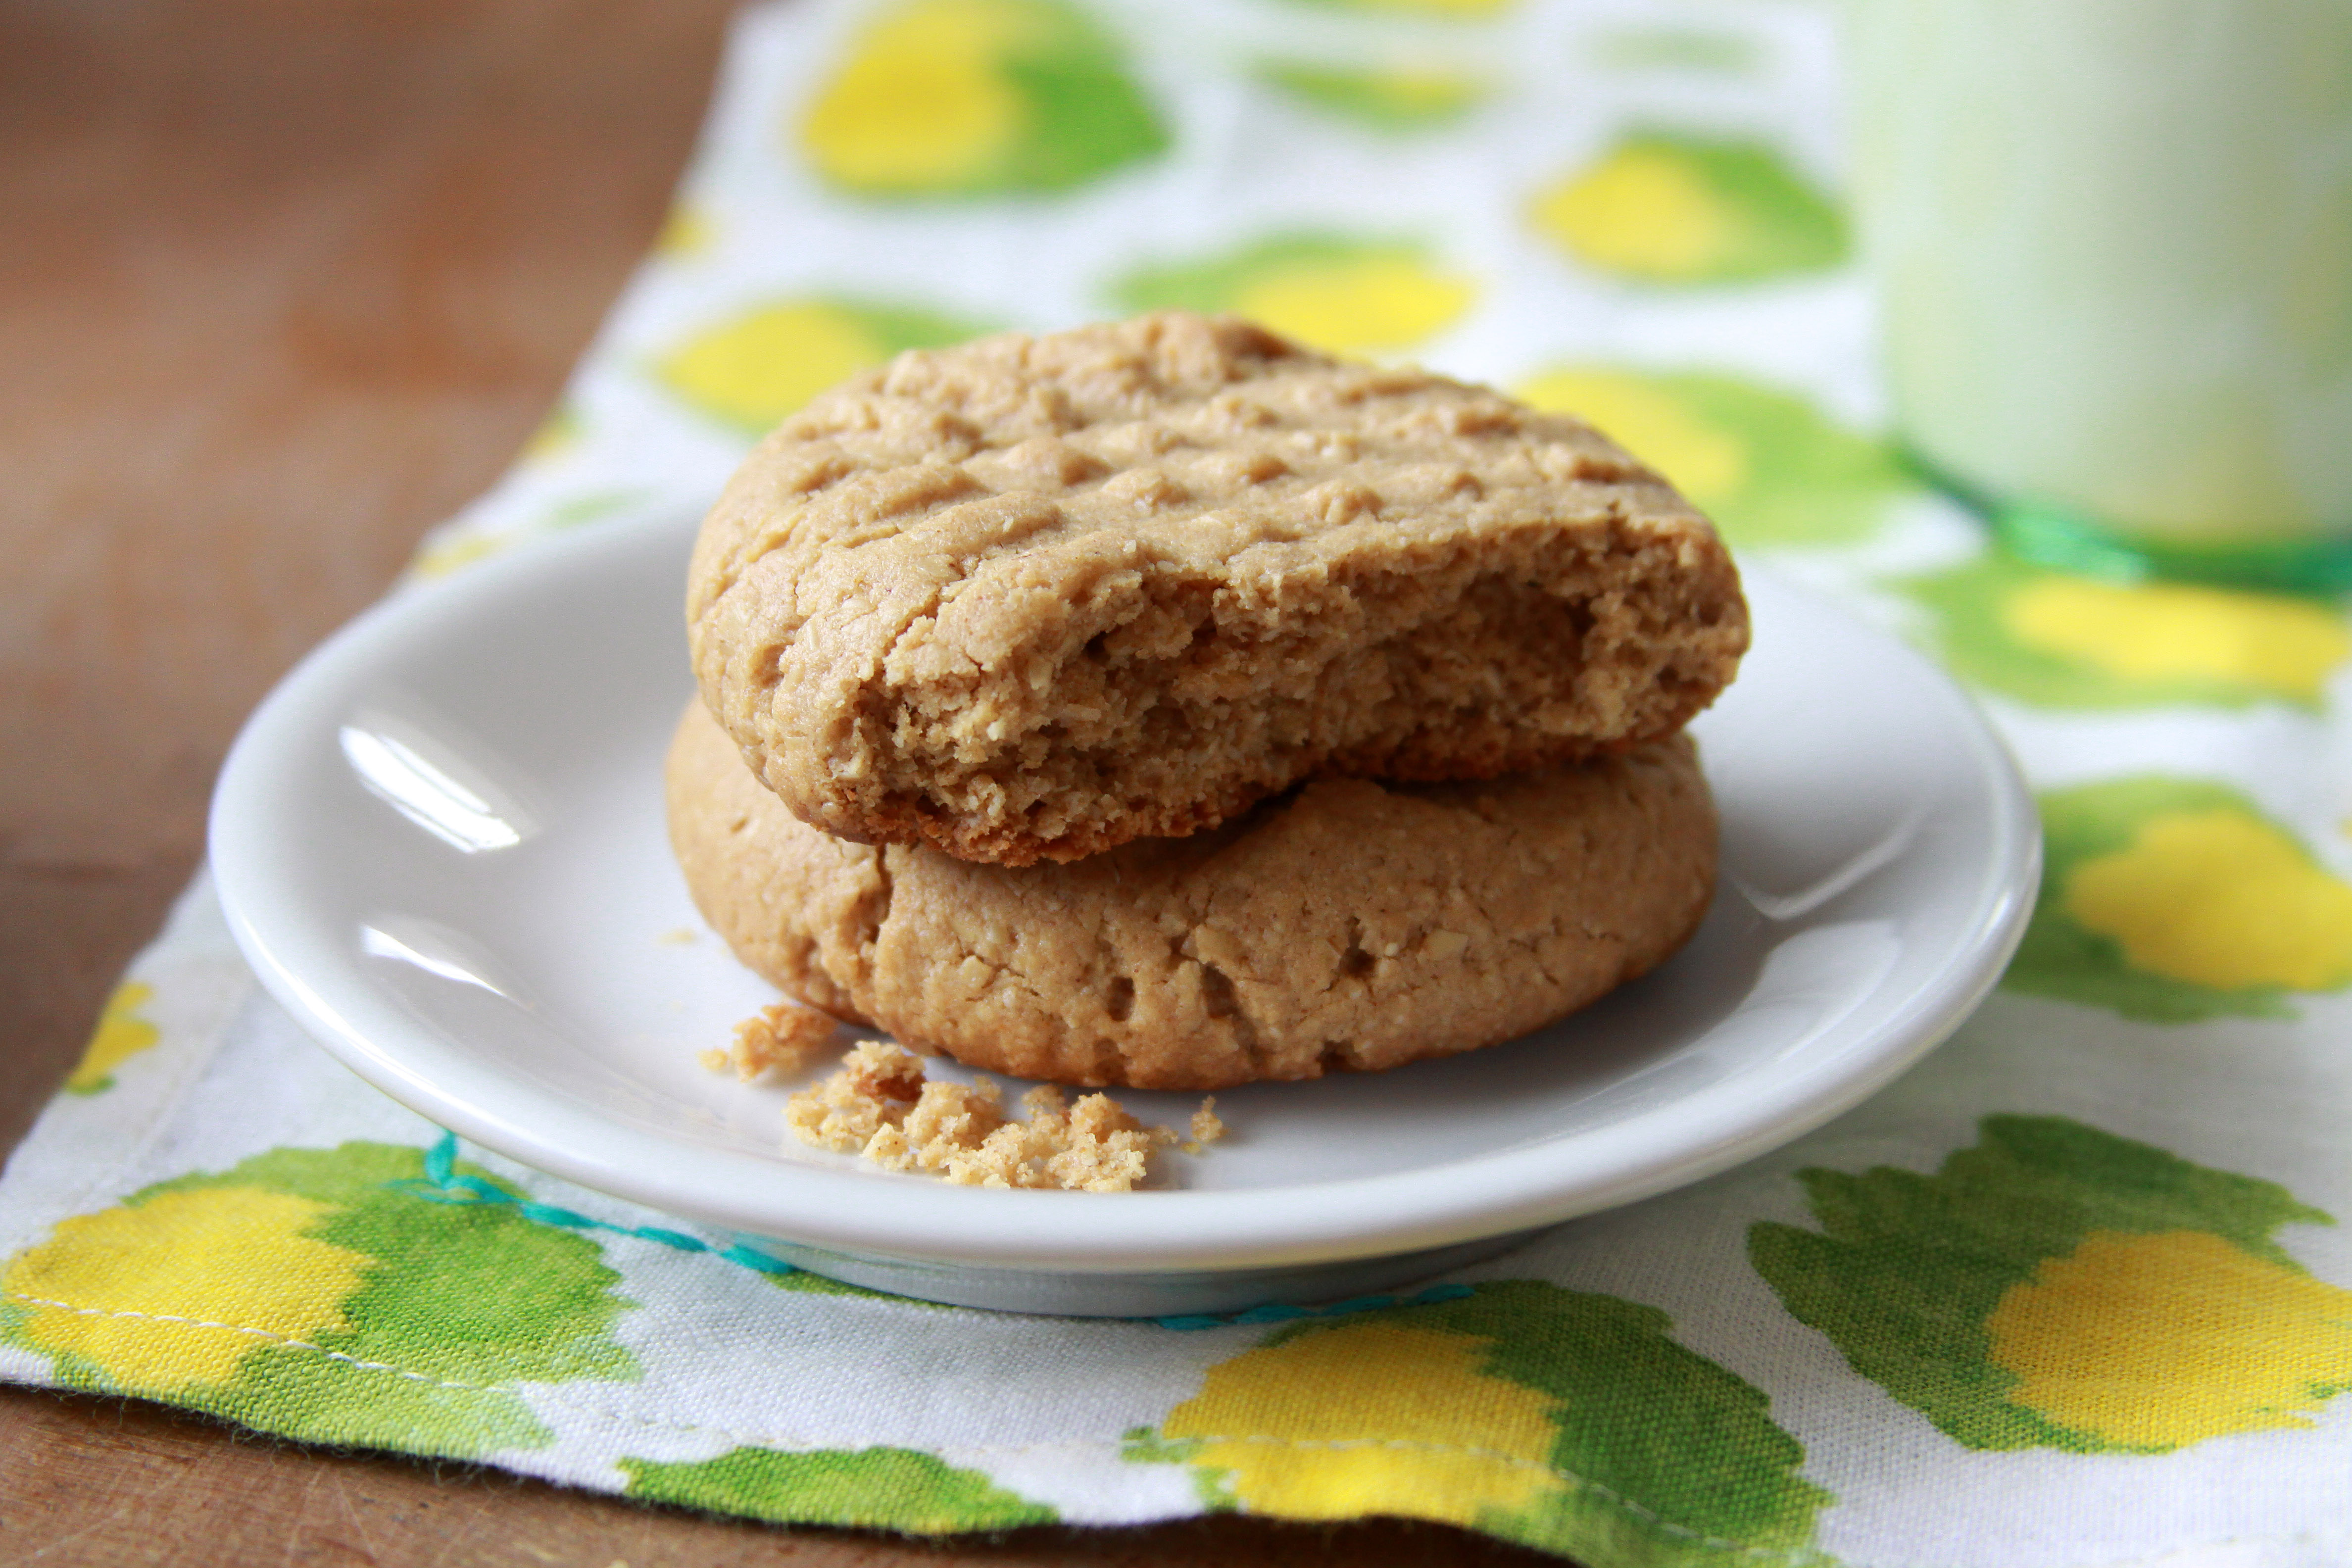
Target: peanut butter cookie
(1352, 924)
(1035, 597)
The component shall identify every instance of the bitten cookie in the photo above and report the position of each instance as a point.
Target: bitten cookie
(1034, 597)
(1350, 925)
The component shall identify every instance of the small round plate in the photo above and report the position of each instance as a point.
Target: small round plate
(441, 843)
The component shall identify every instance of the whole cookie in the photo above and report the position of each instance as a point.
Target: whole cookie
(1353, 925)
(1034, 597)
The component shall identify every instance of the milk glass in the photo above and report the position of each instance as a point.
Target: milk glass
(2114, 244)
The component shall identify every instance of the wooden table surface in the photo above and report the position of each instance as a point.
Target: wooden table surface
(282, 284)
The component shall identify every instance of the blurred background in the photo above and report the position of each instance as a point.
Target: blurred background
(283, 286)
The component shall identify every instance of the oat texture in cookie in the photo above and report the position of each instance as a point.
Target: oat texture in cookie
(1347, 925)
(881, 1105)
(1035, 597)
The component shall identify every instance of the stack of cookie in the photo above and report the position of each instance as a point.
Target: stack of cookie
(1162, 704)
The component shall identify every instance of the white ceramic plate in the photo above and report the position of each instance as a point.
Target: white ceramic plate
(441, 843)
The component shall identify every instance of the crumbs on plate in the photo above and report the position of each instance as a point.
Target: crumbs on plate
(881, 1105)
(785, 1037)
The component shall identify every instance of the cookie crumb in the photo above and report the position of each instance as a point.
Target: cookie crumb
(881, 1107)
(1207, 1126)
(782, 1036)
(679, 936)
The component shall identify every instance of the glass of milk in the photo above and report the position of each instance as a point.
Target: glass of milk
(2114, 245)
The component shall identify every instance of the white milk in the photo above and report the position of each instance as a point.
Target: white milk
(2114, 241)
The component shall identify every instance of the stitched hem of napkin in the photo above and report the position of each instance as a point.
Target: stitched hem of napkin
(552, 1393)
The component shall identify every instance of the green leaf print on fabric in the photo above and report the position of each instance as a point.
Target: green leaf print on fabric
(1667, 207)
(1565, 1420)
(961, 97)
(867, 1489)
(2059, 1287)
(300, 1294)
(2171, 901)
(1673, 48)
(1341, 294)
(2063, 641)
(755, 368)
(1392, 100)
(119, 1034)
(1764, 464)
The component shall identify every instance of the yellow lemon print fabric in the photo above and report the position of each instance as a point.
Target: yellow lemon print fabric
(171, 1294)
(965, 97)
(1340, 294)
(120, 1033)
(2245, 1343)
(2064, 641)
(688, 231)
(1671, 208)
(2174, 900)
(1568, 1421)
(753, 370)
(2056, 1286)
(1765, 465)
(1453, 1443)
(304, 1293)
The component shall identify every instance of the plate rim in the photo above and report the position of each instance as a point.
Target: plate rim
(1160, 1231)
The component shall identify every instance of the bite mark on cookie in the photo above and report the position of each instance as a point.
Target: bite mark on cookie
(1061, 593)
